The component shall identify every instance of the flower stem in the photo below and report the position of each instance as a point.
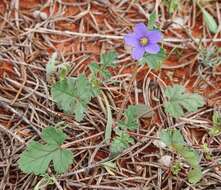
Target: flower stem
(124, 103)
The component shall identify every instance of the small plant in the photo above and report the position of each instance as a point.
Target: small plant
(37, 157)
(210, 56)
(100, 72)
(207, 152)
(121, 142)
(174, 140)
(176, 168)
(73, 94)
(178, 100)
(130, 122)
(107, 60)
(53, 67)
(216, 129)
(152, 20)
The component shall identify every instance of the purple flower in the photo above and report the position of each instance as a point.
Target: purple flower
(142, 40)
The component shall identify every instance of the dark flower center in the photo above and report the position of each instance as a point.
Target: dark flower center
(144, 41)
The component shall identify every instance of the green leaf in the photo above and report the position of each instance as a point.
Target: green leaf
(120, 143)
(176, 168)
(207, 152)
(137, 111)
(210, 21)
(178, 100)
(216, 119)
(105, 74)
(95, 84)
(73, 95)
(62, 159)
(177, 138)
(37, 157)
(152, 20)
(132, 114)
(64, 69)
(171, 137)
(166, 137)
(108, 59)
(216, 129)
(154, 61)
(53, 136)
(94, 67)
(51, 66)
(195, 175)
(189, 154)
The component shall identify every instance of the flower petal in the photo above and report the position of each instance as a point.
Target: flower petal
(138, 53)
(154, 36)
(152, 48)
(141, 30)
(131, 39)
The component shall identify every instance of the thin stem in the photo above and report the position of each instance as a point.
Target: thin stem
(127, 94)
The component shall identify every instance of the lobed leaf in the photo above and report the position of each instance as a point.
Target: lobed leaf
(171, 137)
(108, 59)
(178, 100)
(132, 114)
(120, 143)
(73, 95)
(53, 136)
(152, 20)
(37, 157)
(154, 61)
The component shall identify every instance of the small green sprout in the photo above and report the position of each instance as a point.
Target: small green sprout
(210, 56)
(216, 129)
(130, 122)
(176, 168)
(174, 140)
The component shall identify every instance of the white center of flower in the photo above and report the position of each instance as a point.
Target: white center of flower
(144, 41)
